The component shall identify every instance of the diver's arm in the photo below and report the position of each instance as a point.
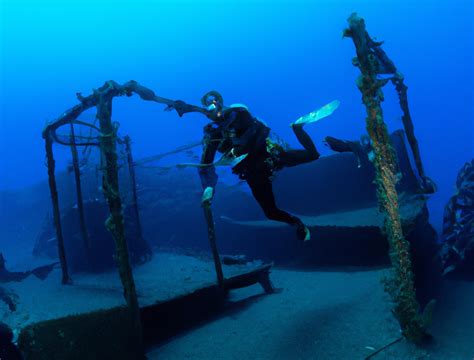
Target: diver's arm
(182, 108)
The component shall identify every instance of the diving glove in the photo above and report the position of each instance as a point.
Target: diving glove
(180, 106)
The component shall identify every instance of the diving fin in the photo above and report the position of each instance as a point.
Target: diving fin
(319, 114)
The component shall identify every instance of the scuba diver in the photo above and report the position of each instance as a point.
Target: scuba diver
(254, 156)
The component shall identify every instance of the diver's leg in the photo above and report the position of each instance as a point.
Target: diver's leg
(262, 191)
(296, 157)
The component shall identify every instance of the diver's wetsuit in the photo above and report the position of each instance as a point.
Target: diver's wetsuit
(246, 135)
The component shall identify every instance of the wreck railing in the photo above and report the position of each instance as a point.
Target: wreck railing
(107, 141)
(80, 204)
(131, 169)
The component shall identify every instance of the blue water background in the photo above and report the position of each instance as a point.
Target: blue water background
(281, 58)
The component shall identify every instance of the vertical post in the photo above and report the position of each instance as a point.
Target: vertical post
(56, 213)
(115, 222)
(80, 204)
(211, 233)
(133, 183)
(401, 286)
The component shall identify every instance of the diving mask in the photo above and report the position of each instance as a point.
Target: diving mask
(211, 107)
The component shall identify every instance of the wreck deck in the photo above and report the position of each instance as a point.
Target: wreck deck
(173, 290)
(363, 217)
(344, 238)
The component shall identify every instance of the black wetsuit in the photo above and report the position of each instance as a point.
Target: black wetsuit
(247, 135)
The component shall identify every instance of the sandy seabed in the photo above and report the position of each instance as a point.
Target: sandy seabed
(314, 315)
(323, 315)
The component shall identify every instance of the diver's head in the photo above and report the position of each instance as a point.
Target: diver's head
(214, 103)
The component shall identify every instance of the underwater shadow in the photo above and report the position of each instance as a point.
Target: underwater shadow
(192, 316)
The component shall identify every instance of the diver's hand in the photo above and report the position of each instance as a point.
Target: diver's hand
(180, 106)
(207, 196)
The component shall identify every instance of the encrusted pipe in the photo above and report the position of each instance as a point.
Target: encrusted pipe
(115, 222)
(401, 285)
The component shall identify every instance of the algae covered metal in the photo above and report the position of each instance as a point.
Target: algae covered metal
(373, 62)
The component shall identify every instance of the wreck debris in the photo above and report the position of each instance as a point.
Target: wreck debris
(372, 61)
(428, 185)
(457, 252)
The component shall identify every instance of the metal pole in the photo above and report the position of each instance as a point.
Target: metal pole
(131, 168)
(115, 222)
(133, 182)
(56, 212)
(401, 286)
(211, 233)
(80, 204)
